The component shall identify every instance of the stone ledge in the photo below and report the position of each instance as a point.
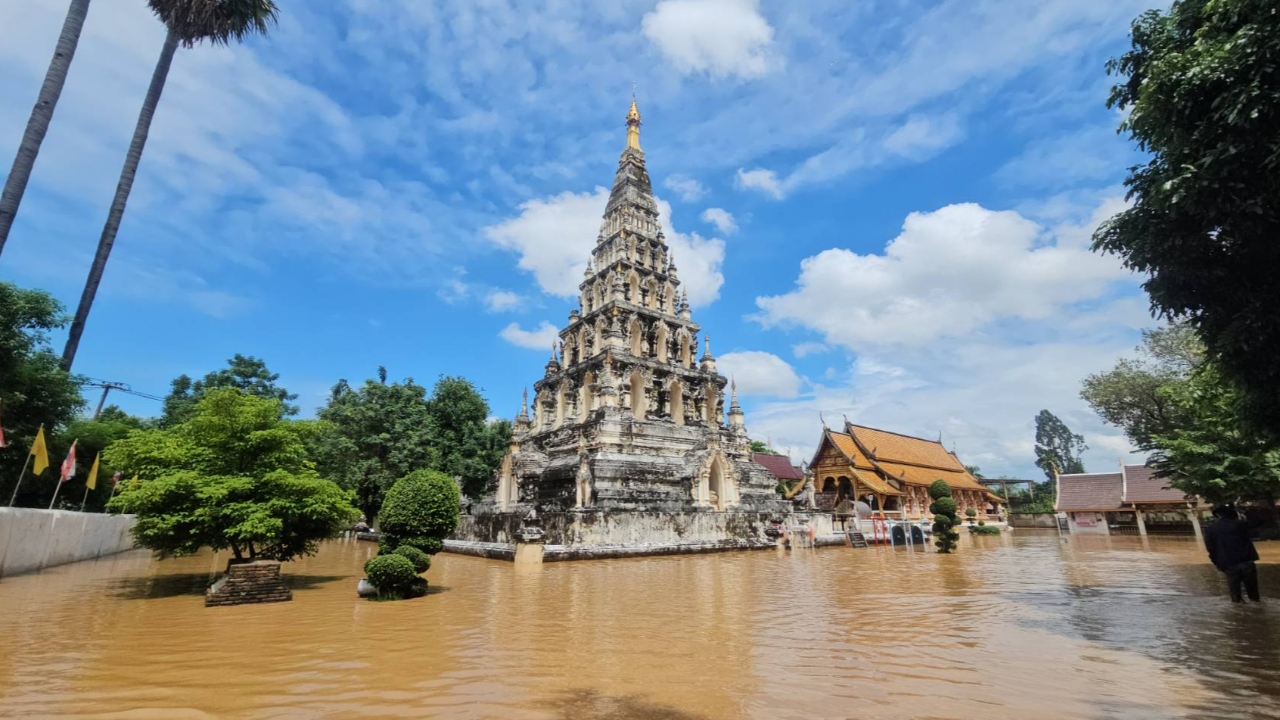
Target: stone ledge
(556, 553)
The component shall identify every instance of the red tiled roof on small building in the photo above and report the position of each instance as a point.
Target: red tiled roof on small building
(1085, 492)
(1143, 485)
(779, 466)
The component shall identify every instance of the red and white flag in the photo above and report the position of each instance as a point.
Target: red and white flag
(69, 465)
(2, 442)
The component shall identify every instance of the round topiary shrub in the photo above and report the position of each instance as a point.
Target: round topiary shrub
(945, 520)
(420, 510)
(392, 575)
(421, 561)
(939, 489)
(943, 506)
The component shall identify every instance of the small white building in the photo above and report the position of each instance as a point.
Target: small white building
(1133, 501)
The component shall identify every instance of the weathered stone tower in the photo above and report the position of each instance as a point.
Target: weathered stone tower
(628, 450)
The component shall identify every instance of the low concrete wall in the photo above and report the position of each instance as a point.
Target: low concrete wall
(1034, 520)
(32, 539)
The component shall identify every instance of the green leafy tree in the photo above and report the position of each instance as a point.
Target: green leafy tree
(233, 476)
(1201, 95)
(38, 124)
(188, 23)
(373, 436)
(243, 372)
(34, 390)
(1057, 448)
(463, 444)
(420, 511)
(1130, 395)
(761, 448)
(945, 520)
(1213, 453)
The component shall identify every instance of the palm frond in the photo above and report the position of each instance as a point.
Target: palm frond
(216, 21)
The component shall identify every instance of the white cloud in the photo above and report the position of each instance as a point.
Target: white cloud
(969, 323)
(1090, 154)
(981, 394)
(766, 181)
(722, 219)
(949, 273)
(502, 300)
(805, 349)
(916, 139)
(760, 373)
(687, 188)
(723, 38)
(554, 237)
(540, 338)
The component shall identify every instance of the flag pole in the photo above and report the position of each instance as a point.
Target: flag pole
(85, 499)
(56, 488)
(21, 475)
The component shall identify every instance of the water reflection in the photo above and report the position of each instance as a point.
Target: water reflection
(1009, 627)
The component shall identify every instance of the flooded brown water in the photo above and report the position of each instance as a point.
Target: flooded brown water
(1011, 627)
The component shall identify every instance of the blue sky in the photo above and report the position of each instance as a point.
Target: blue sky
(880, 208)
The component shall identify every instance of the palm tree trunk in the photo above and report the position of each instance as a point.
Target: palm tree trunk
(131, 160)
(41, 114)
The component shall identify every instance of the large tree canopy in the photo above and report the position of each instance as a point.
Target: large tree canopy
(34, 389)
(1201, 90)
(246, 373)
(372, 436)
(234, 475)
(1211, 452)
(464, 445)
(1131, 397)
(1057, 448)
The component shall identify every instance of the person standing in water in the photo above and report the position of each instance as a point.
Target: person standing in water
(1231, 551)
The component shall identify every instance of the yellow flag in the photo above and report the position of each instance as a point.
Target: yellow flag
(92, 482)
(40, 451)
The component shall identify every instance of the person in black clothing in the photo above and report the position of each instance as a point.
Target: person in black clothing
(1231, 551)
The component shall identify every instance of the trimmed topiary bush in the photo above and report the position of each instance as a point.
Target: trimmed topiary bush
(944, 506)
(421, 561)
(394, 577)
(945, 520)
(985, 530)
(420, 510)
(971, 514)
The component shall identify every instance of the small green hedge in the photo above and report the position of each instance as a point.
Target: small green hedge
(421, 561)
(985, 530)
(394, 577)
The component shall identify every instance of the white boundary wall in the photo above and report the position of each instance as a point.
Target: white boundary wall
(32, 539)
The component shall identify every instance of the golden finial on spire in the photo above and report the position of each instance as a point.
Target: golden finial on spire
(633, 122)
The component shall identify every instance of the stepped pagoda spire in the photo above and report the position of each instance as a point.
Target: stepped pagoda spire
(627, 417)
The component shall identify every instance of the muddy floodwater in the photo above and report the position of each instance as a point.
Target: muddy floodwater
(1018, 627)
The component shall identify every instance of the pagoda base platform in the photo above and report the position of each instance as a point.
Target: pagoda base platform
(591, 535)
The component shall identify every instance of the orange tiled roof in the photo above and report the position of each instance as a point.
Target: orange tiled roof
(913, 475)
(876, 485)
(846, 445)
(904, 448)
(916, 460)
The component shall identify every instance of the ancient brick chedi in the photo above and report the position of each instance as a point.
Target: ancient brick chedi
(628, 441)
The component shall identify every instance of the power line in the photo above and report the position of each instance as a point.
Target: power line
(109, 385)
